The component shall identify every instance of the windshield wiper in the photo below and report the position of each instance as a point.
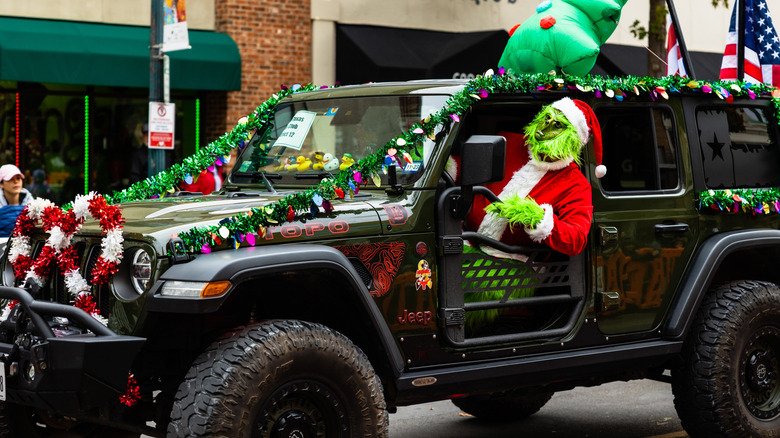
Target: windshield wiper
(320, 175)
(266, 177)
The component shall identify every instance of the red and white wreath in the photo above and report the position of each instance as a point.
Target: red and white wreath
(61, 226)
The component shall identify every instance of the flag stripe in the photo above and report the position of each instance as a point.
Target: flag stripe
(762, 47)
(674, 61)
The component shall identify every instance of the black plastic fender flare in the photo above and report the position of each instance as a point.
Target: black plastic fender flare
(246, 263)
(698, 277)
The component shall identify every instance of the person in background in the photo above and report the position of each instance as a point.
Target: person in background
(140, 159)
(13, 197)
(39, 188)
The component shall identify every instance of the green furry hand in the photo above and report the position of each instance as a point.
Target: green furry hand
(517, 210)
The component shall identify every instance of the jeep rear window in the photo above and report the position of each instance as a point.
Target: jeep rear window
(309, 139)
(738, 147)
(639, 149)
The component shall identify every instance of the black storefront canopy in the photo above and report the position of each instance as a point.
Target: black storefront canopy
(376, 54)
(620, 60)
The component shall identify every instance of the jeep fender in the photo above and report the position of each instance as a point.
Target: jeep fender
(251, 262)
(698, 278)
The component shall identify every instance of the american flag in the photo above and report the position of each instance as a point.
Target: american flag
(762, 47)
(674, 61)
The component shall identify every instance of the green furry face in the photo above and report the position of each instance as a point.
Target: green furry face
(551, 137)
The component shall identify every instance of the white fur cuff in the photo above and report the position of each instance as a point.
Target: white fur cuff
(544, 228)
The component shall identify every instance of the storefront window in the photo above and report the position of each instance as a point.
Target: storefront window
(54, 121)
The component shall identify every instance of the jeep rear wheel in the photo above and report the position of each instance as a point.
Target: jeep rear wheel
(280, 378)
(729, 380)
(505, 406)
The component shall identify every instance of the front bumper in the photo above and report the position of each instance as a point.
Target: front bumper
(59, 358)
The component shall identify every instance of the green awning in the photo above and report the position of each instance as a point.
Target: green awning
(67, 52)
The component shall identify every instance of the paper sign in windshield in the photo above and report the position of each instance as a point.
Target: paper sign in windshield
(295, 131)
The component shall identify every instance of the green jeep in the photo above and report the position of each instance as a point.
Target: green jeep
(354, 301)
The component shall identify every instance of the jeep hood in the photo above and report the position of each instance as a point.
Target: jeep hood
(161, 218)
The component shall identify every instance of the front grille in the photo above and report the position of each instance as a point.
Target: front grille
(54, 289)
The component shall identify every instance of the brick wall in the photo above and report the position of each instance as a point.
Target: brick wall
(274, 39)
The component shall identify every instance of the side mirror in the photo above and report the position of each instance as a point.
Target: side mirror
(482, 160)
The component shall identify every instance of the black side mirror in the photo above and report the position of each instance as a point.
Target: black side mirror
(482, 160)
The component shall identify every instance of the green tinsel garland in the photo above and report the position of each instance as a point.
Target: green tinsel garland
(235, 228)
(755, 201)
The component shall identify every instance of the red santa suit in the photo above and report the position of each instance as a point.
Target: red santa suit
(558, 187)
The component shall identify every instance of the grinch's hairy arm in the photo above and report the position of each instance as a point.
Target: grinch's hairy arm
(518, 211)
(563, 224)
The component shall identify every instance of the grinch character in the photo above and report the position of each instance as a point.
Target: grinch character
(563, 36)
(545, 198)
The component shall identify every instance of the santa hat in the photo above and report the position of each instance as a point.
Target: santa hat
(583, 119)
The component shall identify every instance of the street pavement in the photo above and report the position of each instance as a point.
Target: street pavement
(636, 409)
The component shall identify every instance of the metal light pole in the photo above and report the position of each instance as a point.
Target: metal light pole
(156, 162)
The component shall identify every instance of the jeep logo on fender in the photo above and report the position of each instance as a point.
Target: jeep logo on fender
(308, 229)
(396, 215)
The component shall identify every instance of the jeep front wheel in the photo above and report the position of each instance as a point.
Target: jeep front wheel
(505, 406)
(729, 380)
(280, 378)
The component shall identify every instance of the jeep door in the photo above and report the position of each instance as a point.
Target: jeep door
(645, 221)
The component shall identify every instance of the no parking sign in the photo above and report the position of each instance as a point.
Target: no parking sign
(162, 120)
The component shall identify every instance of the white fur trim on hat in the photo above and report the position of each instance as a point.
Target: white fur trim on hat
(575, 116)
(545, 227)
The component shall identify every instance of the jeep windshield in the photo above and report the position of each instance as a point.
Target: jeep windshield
(311, 139)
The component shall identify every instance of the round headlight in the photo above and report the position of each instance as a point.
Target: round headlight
(141, 270)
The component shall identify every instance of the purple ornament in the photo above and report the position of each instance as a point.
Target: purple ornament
(205, 249)
(250, 239)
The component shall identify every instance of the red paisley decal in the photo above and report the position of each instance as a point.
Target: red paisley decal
(381, 260)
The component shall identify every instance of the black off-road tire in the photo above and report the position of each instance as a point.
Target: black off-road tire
(728, 383)
(280, 377)
(505, 406)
